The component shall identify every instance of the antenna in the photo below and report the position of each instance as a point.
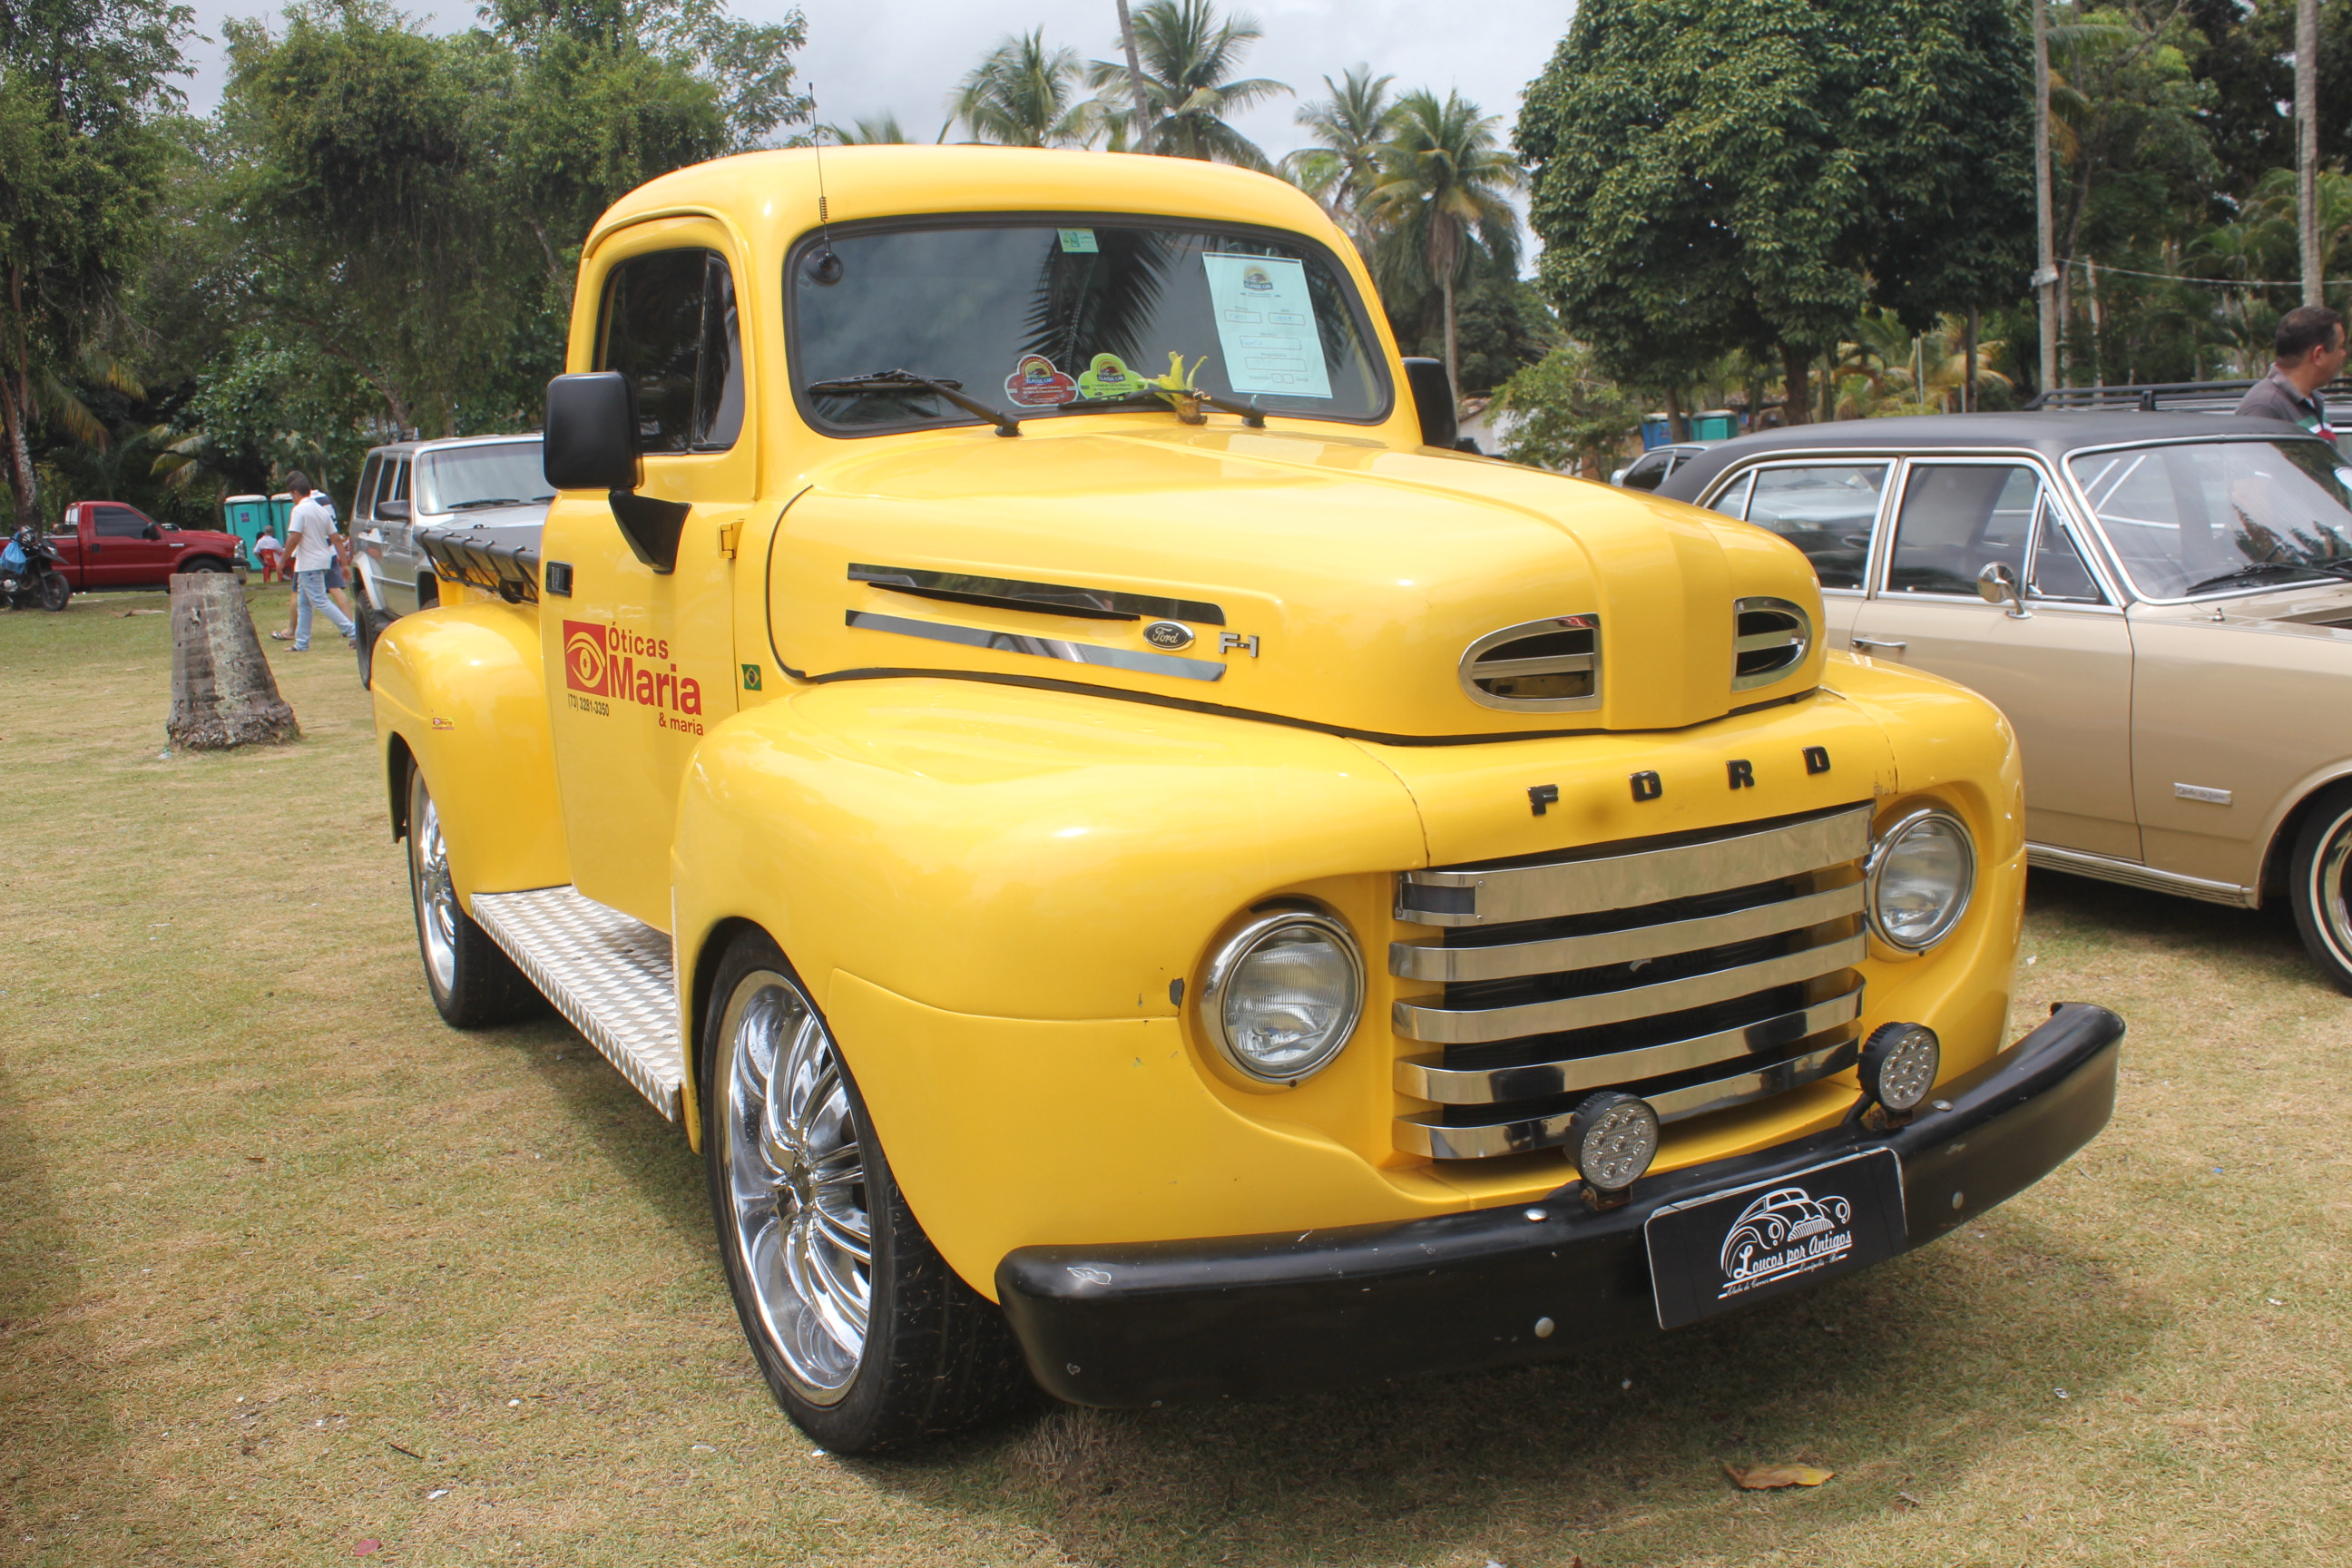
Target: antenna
(825, 266)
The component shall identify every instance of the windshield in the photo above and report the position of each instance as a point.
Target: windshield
(460, 479)
(2226, 514)
(1035, 317)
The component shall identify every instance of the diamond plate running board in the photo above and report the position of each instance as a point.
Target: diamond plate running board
(608, 973)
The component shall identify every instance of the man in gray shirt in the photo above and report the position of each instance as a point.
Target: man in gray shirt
(2311, 353)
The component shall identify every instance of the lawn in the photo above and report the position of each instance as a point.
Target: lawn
(290, 1272)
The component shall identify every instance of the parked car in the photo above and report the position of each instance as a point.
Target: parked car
(2159, 602)
(1649, 470)
(1184, 889)
(111, 544)
(488, 489)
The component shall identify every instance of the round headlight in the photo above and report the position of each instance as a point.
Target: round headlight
(1899, 1062)
(1921, 873)
(1612, 1138)
(1282, 997)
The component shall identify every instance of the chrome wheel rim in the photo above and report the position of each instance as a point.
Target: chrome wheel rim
(436, 899)
(794, 1184)
(2328, 896)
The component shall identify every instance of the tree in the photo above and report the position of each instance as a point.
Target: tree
(1562, 412)
(1444, 178)
(1719, 173)
(876, 131)
(81, 166)
(1350, 126)
(1186, 60)
(1023, 94)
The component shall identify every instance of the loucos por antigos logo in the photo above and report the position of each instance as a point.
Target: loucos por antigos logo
(607, 661)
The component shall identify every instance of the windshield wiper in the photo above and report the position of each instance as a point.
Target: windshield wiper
(2261, 569)
(882, 383)
(491, 500)
(1160, 397)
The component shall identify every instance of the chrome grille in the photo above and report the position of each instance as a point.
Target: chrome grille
(1698, 971)
(1542, 666)
(1770, 638)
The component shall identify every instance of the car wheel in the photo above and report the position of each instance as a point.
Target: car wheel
(2319, 879)
(867, 1339)
(54, 590)
(364, 628)
(205, 564)
(473, 982)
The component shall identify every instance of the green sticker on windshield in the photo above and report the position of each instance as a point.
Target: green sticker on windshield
(1107, 376)
(1079, 242)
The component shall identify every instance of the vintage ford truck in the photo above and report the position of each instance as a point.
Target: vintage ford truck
(1141, 869)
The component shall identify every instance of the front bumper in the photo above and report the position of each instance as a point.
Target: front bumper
(1151, 1322)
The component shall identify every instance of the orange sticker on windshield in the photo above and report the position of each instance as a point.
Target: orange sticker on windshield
(1036, 384)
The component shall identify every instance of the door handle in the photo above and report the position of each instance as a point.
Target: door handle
(1876, 642)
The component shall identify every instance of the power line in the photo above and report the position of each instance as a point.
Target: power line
(2216, 282)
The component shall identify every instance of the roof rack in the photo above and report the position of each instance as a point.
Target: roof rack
(508, 571)
(2161, 396)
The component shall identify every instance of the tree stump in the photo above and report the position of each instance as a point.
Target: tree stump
(222, 693)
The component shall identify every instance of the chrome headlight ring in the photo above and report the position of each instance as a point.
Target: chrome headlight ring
(1228, 967)
(1913, 937)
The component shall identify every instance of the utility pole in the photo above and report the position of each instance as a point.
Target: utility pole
(1134, 76)
(2045, 275)
(2307, 143)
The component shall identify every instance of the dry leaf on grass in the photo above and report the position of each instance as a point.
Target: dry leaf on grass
(1764, 1477)
(367, 1548)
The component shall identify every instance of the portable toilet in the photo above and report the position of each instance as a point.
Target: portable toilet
(243, 516)
(1657, 430)
(1715, 424)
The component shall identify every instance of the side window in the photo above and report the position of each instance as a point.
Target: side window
(120, 522)
(1649, 472)
(670, 325)
(1958, 519)
(398, 489)
(2058, 569)
(363, 503)
(1826, 509)
(1733, 502)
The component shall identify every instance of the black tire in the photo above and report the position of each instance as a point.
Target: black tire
(54, 590)
(205, 564)
(364, 628)
(2319, 884)
(473, 984)
(429, 592)
(932, 1355)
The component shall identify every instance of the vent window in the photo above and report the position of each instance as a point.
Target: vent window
(1543, 666)
(1770, 638)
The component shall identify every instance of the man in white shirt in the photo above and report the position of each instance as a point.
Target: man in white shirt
(310, 532)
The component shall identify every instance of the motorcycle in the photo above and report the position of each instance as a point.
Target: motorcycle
(29, 575)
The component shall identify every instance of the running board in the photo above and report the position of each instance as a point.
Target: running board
(609, 974)
(2131, 874)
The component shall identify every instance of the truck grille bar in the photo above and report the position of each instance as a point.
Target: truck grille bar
(1698, 971)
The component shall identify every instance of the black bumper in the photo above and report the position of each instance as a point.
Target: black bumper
(1161, 1321)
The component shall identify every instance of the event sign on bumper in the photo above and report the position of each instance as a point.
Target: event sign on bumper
(1143, 1323)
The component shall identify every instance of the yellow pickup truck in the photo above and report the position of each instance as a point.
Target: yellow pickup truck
(1143, 870)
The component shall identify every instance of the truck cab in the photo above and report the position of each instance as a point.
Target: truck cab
(112, 544)
(1143, 871)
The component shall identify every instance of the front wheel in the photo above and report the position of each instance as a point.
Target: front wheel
(2319, 879)
(867, 1339)
(365, 626)
(473, 982)
(54, 590)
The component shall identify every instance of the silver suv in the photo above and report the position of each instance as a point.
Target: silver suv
(487, 489)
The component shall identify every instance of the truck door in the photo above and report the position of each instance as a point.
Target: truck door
(641, 659)
(121, 555)
(367, 537)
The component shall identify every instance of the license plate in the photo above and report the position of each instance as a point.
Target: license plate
(1710, 1254)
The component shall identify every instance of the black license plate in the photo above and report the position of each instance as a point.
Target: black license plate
(1710, 1254)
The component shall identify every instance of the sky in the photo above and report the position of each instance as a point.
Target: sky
(865, 57)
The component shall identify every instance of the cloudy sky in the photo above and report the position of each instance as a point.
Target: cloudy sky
(868, 55)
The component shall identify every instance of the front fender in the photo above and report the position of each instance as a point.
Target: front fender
(462, 692)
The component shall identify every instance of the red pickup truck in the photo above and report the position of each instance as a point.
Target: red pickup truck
(106, 544)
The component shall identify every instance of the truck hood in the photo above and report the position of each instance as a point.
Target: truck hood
(1295, 575)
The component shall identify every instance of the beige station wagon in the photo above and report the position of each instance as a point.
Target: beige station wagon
(2159, 602)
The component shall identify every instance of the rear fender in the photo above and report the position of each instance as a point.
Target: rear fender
(460, 693)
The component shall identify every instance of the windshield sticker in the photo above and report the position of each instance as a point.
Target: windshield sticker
(1108, 376)
(1036, 384)
(1079, 242)
(1265, 324)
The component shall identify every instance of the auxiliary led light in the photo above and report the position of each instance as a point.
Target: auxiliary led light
(1899, 1062)
(1612, 1138)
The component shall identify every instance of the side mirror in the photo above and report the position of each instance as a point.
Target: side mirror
(151, 532)
(1997, 585)
(1432, 394)
(392, 512)
(590, 444)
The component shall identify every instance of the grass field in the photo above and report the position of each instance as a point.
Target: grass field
(287, 1267)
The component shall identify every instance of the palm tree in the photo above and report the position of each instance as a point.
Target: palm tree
(1351, 126)
(1442, 183)
(880, 131)
(1187, 57)
(1025, 95)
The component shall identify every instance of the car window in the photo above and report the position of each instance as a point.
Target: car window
(1826, 509)
(460, 477)
(669, 325)
(1958, 519)
(2203, 517)
(363, 503)
(1648, 472)
(398, 488)
(2058, 569)
(120, 522)
(1733, 502)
